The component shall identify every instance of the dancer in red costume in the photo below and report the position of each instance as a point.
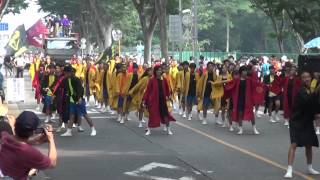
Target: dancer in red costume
(155, 99)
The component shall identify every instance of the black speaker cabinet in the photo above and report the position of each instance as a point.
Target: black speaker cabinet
(309, 63)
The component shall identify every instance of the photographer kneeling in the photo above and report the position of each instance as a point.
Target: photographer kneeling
(18, 156)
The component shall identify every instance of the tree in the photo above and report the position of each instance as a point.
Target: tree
(147, 24)
(161, 11)
(228, 8)
(13, 6)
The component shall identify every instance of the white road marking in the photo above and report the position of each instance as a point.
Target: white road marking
(141, 172)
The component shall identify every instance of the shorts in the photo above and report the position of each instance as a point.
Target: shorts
(105, 94)
(78, 109)
(120, 101)
(274, 98)
(47, 100)
(207, 102)
(191, 100)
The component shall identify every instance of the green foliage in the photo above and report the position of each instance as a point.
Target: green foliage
(15, 6)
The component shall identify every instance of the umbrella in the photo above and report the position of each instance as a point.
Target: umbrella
(313, 43)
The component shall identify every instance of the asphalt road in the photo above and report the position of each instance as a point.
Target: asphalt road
(194, 152)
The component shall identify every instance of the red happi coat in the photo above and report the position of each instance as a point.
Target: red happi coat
(233, 89)
(151, 98)
(296, 86)
(36, 84)
(258, 92)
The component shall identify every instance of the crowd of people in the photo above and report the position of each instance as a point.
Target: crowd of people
(235, 90)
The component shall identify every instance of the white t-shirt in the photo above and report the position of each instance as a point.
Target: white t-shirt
(20, 61)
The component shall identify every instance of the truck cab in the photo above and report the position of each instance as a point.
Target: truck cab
(61, 49)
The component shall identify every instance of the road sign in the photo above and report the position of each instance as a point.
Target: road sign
(116, 34)
(4, 26)
(15, 90)
(175, 28)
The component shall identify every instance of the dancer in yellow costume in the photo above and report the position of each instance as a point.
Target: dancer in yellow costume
(90, 77)
(137, 92)
(183, 69)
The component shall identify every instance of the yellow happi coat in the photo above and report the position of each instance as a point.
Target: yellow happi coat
(180, 81)
(33, 68)
(173, 73)
(122, 86)
(92, 77)
(79, 70)
(99, 85)
(185, 90)
(201, 89)
(137, 93)
(113, 96)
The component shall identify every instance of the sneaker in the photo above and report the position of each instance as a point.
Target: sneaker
(255, 131)
(184, 115)
(119, 118)
(122, 121)
(288, 175)
(74, 125)
(140, 125)
(143, 121)
(286, 123)
(180, 112)
(47, 119)
(169, 131)
(219, 122)
(240, 132)
(68, 133)
(148, 132)
(318, 131)
(312, 171)
(63, 125)
(189, 117)
(204, 122)
(112, 112)
(93, 132)
(80, 129)
(165, 129)
(272, 120)
(277, 118)
(231, 129)
(200, 117)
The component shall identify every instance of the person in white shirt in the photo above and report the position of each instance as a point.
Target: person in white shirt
(19, 63)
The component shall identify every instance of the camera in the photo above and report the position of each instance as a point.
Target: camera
(41, 130)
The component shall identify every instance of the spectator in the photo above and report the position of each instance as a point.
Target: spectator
(19, 63)
(18, 156)
(65, 22)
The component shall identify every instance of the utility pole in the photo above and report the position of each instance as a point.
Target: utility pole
(195, 30)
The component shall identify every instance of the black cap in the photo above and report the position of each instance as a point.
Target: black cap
(27, 120)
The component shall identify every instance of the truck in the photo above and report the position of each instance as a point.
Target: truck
(61, 49)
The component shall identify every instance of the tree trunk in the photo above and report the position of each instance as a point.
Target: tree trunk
(4, 6)
(147, 30)
(161, 10)
(228, 32)
(147, 46)
(104, 24)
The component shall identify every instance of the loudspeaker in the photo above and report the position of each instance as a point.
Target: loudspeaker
(309, 63)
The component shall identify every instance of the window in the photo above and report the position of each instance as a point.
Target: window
(61, 44)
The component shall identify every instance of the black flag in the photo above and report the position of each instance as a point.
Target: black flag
(17, 44)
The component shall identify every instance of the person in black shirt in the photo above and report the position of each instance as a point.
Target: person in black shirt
(301, 124)
(191, 83)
